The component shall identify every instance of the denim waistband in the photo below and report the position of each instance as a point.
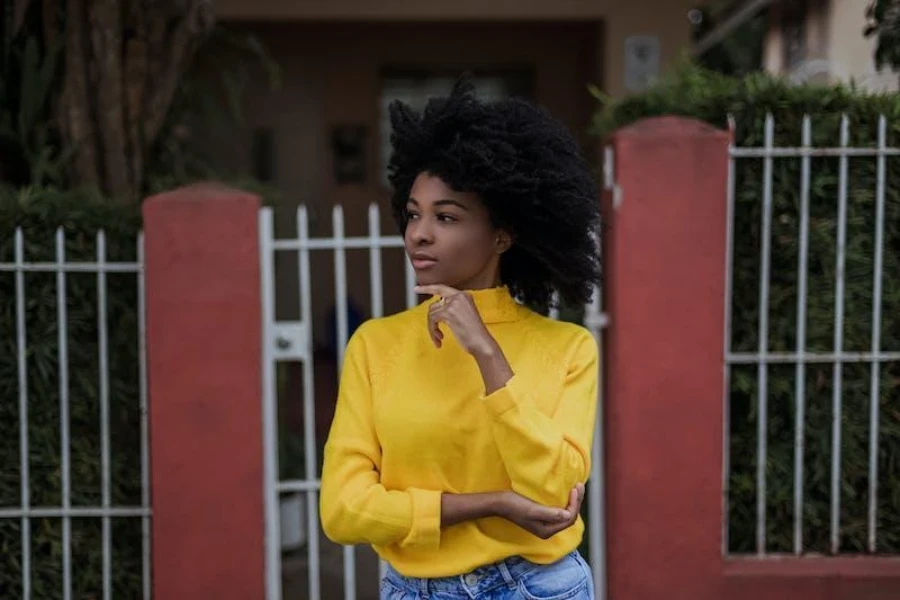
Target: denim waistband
(483, 579)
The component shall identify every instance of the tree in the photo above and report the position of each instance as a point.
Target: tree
(119, 66)
(883, 22)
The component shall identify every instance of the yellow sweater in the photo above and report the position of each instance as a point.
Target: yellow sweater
(412, 421)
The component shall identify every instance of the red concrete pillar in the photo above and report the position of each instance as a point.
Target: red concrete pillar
(203, 343)
(665, 291)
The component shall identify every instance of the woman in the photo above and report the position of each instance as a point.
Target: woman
(462, 434)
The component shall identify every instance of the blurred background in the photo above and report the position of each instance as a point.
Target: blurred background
(104, 103)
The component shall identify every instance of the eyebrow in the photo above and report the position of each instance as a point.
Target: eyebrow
(445, 202)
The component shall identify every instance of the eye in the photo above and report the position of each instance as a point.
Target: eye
(410, 215)
(447, 218)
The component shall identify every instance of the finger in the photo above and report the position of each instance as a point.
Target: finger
(434, 330)
(438, 314)
(547, 531)
(549, 514)
(437, 289)
(552, 529)
(574, 500)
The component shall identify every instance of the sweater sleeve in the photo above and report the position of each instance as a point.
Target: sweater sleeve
(545, 455)
(356, 508)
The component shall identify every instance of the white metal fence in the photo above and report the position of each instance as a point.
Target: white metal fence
(293, 341)
(810, 161)
(106, 511)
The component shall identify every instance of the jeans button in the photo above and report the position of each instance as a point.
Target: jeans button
(471, 579)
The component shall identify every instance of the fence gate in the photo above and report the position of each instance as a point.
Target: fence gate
(291, 503)
(855, 365)
(81, 400)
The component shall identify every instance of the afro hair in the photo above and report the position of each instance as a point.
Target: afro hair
(529, 172)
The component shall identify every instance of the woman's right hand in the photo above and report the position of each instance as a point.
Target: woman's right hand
(537, 519)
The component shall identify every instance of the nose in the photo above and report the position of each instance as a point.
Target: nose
(419, 232)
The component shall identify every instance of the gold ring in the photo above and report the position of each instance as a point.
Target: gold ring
(441, 301)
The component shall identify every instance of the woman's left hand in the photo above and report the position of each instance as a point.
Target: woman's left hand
(457, 309)
(539, 520)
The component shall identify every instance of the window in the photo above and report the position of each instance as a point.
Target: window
(794, 33)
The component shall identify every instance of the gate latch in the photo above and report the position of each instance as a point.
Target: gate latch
(289, 341)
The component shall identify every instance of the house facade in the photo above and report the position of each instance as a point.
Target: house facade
(822, 40)
(815, 41)
(322, 139)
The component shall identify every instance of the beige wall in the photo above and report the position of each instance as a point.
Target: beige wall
(665, 19)
(850, 53)
(835, 42)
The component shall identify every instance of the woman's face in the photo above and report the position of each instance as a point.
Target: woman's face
(449, 237)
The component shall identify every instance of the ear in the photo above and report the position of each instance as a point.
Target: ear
(503, 242)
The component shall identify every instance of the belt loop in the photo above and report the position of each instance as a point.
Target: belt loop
(507, 576)
(423, 587)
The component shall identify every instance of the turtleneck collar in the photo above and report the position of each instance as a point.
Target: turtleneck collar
(495, 305)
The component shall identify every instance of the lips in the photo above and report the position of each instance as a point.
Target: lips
(420, 260)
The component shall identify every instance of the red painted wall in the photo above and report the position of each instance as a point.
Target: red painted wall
(203, 342)
(665, 284)
(825, 578)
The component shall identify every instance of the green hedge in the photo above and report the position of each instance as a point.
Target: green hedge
(692, 92)
(39, 212)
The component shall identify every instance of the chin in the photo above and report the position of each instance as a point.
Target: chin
(428, 278)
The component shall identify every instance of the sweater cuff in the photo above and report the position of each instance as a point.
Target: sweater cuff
(425, 532)
(505, 398)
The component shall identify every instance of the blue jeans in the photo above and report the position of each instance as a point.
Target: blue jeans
(512, 579)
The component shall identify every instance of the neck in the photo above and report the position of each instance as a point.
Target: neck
(471, 287)
(495, 305)
(487, 279)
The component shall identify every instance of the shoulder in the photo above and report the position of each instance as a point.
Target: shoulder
(380, 343)
(382, 336)
(562, 339)
(392, 327)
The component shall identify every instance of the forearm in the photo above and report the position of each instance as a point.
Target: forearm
(358, 510)
(459, 508)
(494, 368)
(544, 456)
(543, 459)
